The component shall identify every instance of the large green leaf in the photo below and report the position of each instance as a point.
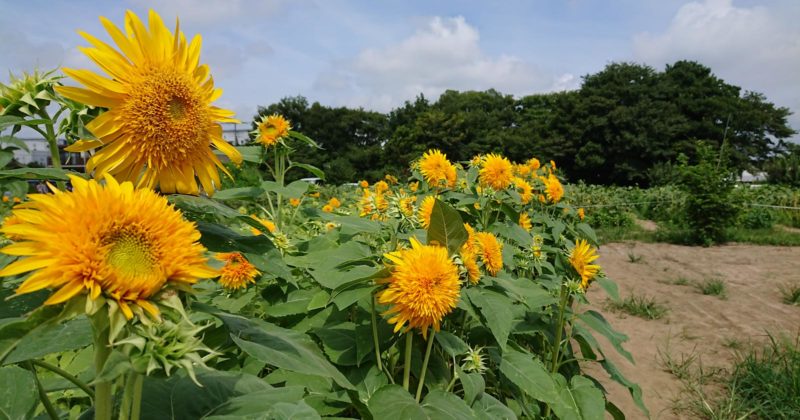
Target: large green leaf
(251, 153)
(597, 322)
(52, 337)
(394, 402)
(447, 227)
(353, 224)
(473, 384)
(317, 172)
(533, 295)
(179, 398)
(278, 346)
(583, 397)
(296, 303)
(219, 238)
(258, 404)
(451, 344)
(238, 193)
(340, 343)
(16, 142)
(18, 395)
(495, 309)
(487, 407)
(445, 405)
(529, 374)
(203, 205)
(37, 173)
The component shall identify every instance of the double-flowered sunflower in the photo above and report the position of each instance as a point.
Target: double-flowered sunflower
(159, 125)
(106, 240)
(423, 287)
(581, 257)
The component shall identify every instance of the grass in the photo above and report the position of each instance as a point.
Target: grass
(620, 234)
(633, 258)
(679, 235)
(713, 287)
(790, 294)
(641, 306)
(773, 236)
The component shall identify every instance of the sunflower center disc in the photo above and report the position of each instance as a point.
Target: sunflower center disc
(130, 253)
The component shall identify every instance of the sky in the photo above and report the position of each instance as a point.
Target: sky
(378, 54)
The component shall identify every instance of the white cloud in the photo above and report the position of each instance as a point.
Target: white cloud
(757, 48)
(444, 53)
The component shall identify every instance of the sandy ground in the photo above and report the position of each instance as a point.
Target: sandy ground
(696, 324)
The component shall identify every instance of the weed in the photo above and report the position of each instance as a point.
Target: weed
(633, 258)
(641, 306)
(791, 294)
(713, 287)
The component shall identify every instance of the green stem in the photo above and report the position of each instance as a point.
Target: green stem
(559, 330)
(66, 375)
(136, 404)
(127, 397)
(280, 171)
(52, 141)
(425, 364)
(102, 402)
(375, 336)
(407, 365)
(48, 405)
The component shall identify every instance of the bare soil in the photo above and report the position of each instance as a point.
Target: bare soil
(708, 327)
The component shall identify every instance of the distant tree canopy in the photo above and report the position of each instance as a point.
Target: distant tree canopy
(622, 126)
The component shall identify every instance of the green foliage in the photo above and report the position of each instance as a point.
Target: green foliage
(713, 287)
(790, 293)
(710, 208)
(641, 306)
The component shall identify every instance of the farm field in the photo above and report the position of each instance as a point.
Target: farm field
(703, 330)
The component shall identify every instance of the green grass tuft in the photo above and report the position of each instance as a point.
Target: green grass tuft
(713, 287)
(641, 306)
(791, 294)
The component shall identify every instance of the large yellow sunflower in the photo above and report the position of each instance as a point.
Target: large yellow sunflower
(104, 239)
(581, 258)
(436, 169)
(272, 128)
(425, 210)
(524, 189)
(496, 171)
(160, 124)
(553, 188)
(237, 271)
(491, 252)
(422, 289)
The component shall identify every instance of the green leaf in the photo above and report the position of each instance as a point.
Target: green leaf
(529, 374)
(394, 402)
(450, 343)
(341, 343)
(634, 389)
(179, 398)
(18, 394)
(218, 238)
(250, 153)
(473, 385)
(597, 322)
(5, 157)
(447, 227)
(317, 172)
(278, 346)
(8, 121)
(259, 403)
(583, 397)
(533, 295)
(305, 139)
(38, 173)
(610, 287)
(203, 205)
(296, 303)
(352, 224)
(331, 278)
(445, 405)
(487, 407)
(587, 232)
(496, 309)
(238, 193)
(50, 338)
(15, 142)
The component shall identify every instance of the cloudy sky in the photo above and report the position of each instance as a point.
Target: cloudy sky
(377, 54)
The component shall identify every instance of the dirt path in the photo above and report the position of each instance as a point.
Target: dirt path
(696, 324)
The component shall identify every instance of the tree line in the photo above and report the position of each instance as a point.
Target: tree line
(625, 125)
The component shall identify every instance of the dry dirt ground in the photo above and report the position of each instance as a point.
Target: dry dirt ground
(704, 326)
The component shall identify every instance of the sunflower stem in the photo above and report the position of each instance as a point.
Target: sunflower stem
(48, 405)
(66, 375)
(52, 141)
(559, 330)
(425, 364)
(136, 404)
(102, 390)
(375, 336)
(407, 364)
(127, 397)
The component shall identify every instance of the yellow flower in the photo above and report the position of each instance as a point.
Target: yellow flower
(391, 179)
(425, 210)
(524, 189)
(17, 200)
(525, 221)
(581, 258)
(553, 165)
(491, 252)
(160, 123)
(272, 129)
(436, 169)
(334, 202)
(406, 205)
(542, 199)
(496, 172)
(380, 202)
(476, 160)
(554, 189)
(422, 288)
(113, 240)
(266, 223)
(314, 194)
(294, 202)
(327, 208)
(330, 226)
(413, 186)
(522, 169)
(5, 199)
(581, 213)
(534, 164)
(470, 260)
(237, 272)
(469, 245)
(364, 184)
(381, 186)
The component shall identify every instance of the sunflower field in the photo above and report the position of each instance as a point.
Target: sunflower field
(142, 289)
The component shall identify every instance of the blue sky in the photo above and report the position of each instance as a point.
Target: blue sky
(377, 54)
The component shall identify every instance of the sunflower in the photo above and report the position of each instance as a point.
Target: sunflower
(422, 288)
(237, 272)
(491, 252)
(553, 188)
(160, 124)
(581, 258)
(581, 213)
(425, 210)
(522, 169)
(266, 223)
(469, 244)
(436, 169)
(271, 129)
(364, 184)
(470, 261)
(413, 186)
(534, 164)
(107, 239)
(524, 189)
(327, 208)
(496, 171)
(525, 221)
(294, 202)
(334, 202)
(381, 186)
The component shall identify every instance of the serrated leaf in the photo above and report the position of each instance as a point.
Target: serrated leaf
(597, 322)
(496, 309)
(317, 172)
(250, 153)
(451, 344)
(445, 405)
(18, 394)
(394, 402)
(50, 338)
(447, 227)
(610, 287)
(473, 384)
